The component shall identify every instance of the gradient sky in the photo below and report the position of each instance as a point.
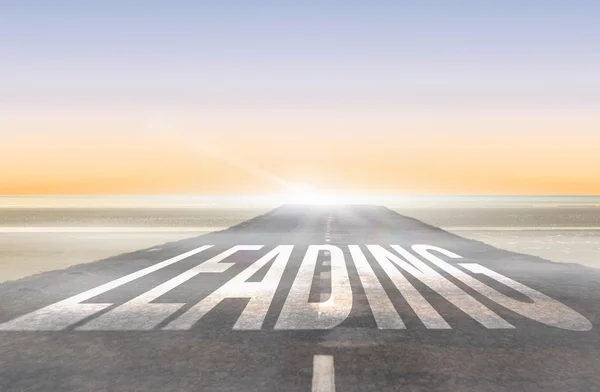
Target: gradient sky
(246, 97)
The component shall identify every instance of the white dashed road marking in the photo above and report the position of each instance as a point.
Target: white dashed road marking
(323, 374)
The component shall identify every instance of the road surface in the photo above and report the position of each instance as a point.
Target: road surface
(345, 298)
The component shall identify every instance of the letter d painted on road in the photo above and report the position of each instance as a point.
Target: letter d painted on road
(298, 313)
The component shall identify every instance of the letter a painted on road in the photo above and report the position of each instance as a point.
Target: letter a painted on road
(260, 293)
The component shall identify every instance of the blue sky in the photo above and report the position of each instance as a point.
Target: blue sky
(421, 52)
(239, 97)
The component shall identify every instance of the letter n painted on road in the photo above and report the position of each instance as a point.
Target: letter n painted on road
(439, 284)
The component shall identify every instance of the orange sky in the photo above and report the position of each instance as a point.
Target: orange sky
(217, 97)
(257, 151)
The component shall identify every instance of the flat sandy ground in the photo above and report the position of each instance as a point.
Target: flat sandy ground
(566, 234)
(34, 240)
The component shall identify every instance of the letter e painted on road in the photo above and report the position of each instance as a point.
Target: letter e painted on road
(65, 313)
(142, 314)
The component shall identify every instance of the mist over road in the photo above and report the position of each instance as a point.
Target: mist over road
(356, 297)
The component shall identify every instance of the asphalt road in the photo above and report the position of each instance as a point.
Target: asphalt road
(361, 315)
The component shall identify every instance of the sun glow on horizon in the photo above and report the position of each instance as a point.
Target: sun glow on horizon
(304, 193)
